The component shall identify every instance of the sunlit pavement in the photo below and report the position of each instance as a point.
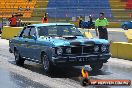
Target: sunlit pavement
(31, 74)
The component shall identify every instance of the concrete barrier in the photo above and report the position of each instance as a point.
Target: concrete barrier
(129, 35)
(125, 51)
(87, 35)
(114, 25)
(121, 50)
(111, 24)
(10, 32)
(114, 49)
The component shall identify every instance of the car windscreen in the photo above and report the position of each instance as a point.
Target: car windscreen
(59, 30)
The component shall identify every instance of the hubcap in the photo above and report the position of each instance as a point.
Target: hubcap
(125, 27)
(16, 55)
(45, 62)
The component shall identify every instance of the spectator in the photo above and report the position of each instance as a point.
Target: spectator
(101, 24)
(80, 21)
(19, 8)
(27, 8)
(45, 18)
(13, 21)
(19, 22)
(90, 21)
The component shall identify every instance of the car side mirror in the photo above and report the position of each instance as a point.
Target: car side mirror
(34, 37)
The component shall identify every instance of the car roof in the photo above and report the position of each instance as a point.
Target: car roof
(50, 24)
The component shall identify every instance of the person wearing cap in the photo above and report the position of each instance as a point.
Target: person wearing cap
(101, 24)
(90, 21)
(45, 18)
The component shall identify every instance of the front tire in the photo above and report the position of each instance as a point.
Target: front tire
(125, 27)
(19, 61)
(96, 66)
(47, 65)
(85, 82)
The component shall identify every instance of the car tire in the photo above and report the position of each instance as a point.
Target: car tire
(84, 82)
(125, 27)
(96, 66)
(19, 61)
(93, 26)
(47, 65)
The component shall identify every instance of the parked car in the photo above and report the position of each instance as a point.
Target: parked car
(58, 44)
(88, 25)
(127, 25)
(1, 28)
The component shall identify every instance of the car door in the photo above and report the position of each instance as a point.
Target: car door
(130, 24)
(31, 44)
(23, 39)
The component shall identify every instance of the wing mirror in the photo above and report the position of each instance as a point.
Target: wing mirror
(34, 37)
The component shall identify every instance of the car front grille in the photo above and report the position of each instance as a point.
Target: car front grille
(88, 49)
(81, 49)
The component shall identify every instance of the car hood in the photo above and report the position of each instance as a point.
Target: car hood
(127, 22)
(69, 41)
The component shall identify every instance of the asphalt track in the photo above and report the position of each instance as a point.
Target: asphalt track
(31, 74)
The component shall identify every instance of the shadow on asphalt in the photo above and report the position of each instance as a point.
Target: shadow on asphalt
(23, 82)
(71, 73)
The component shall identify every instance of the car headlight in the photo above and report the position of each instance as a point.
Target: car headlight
(68, 50)
(59, 51)
(103, 48)
(96, 48)
(53, 50)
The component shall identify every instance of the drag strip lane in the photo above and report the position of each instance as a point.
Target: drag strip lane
(63, 78)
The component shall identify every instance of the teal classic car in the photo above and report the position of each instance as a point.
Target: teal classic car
(126, 25)
(58, 44)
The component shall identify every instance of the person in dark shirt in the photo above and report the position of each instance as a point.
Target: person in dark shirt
(90, 18)
(80, 21)
(101, 24)
(90, 21)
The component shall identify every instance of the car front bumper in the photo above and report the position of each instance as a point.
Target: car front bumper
(80, 60)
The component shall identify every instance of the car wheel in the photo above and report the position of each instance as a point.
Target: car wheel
(125, 27)
(47, 65)
(18, 59)
(96, 66)
(84, 82)
(93, 27)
